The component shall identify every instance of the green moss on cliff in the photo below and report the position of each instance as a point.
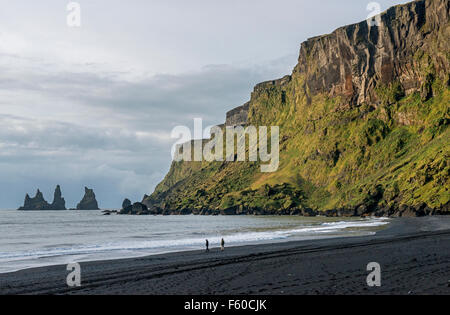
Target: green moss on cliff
(329, 159)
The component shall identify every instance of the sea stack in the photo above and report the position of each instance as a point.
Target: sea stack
(38, 202)
(58, 201)
(88, 202)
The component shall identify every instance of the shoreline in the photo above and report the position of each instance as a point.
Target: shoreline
(361, 211)
(413, 252)
(324, 228)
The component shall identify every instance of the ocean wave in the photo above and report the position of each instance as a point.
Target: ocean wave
(192, 242)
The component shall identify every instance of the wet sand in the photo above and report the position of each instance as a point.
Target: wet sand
(414, 254)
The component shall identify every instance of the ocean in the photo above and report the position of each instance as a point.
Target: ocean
(41, 238)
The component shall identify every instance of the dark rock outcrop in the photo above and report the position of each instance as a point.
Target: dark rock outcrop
(136, 209)
(36, 203)
(126, 203)
(88, 202)
(109, 212)
(58, 201)
(39, 203)
(394, 211)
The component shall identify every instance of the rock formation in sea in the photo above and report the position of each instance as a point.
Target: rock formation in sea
(126, 203)
(88, 202)
(136, 209)
(39, 203)
(364, 128)
(36, 203)
(58, 201)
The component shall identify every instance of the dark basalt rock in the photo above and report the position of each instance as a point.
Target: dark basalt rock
(126, 203)
(136, 209)
(109, 212)
(38, 202)
(392, 211)
(88, 202)
(58, 201)
(229, 211)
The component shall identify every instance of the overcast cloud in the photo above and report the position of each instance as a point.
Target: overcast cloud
(94, 106)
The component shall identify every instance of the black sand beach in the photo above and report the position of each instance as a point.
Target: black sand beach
(414, 255)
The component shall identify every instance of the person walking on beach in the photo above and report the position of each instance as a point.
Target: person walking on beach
(222, 245)
(207, 246)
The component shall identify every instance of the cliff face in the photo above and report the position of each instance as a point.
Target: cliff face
(354, 60)
(39, 203)
(89, 202)
(238, 116)
(364, 128)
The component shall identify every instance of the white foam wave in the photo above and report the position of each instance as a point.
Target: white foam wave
(195, 242)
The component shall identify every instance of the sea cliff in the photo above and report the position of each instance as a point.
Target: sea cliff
(364, 128)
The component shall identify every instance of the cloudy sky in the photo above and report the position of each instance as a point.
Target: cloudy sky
(94, 105)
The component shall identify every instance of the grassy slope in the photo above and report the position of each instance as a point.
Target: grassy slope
(397, 153)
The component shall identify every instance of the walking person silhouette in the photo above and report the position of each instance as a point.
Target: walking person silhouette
(207, 246)
(222, 245)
